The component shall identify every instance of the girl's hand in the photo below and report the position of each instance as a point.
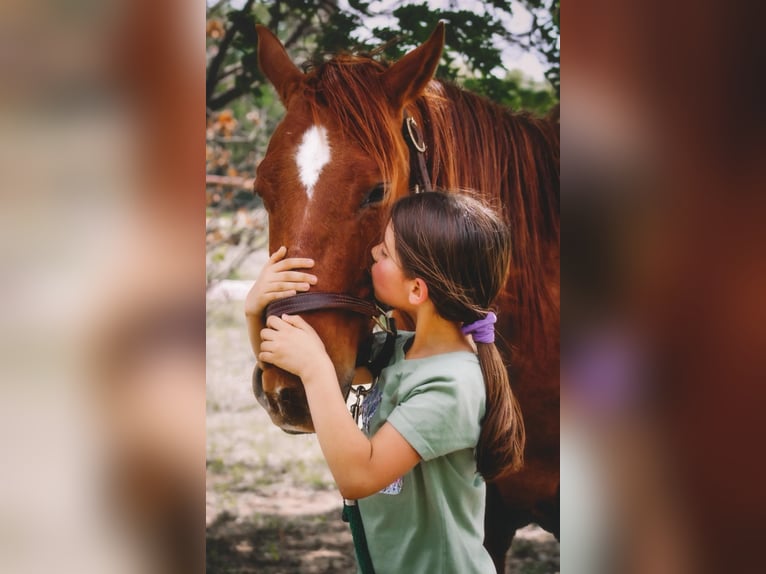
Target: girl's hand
(292, 344)
(278, 280)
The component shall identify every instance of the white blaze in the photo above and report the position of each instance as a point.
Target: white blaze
(313, 154)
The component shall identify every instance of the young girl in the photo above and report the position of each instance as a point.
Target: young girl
(441, 418)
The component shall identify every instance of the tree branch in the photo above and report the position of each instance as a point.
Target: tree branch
(229, 181)
(275, 12)
(298, 32)
(233, 69)
(221, 100)
(217, 61)
(214, 8)
(254, 239)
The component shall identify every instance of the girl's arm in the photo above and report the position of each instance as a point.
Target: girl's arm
(276, 281)
(360, 466)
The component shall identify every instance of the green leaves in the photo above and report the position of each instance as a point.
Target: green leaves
(313, 30)
(514, 91)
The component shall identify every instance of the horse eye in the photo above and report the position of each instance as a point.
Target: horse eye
(375, 195)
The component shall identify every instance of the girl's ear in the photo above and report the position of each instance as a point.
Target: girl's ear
(418, 292)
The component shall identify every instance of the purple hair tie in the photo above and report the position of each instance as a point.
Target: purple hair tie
(483, 330)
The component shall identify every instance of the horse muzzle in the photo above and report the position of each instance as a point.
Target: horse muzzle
(338, 321)
(281, 394)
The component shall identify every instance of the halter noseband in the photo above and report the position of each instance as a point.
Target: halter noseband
(316, 301)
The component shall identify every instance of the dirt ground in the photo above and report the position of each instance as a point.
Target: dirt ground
(271, 504)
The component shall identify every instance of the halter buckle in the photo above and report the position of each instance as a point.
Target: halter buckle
(360, 393)
(412, 129)
(383, 321)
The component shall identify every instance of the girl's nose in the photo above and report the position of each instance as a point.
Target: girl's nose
(375, 252)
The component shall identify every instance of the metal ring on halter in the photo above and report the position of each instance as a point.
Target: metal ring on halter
(419, 145)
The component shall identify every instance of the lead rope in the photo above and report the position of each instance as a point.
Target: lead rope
(354, 518)
(351, 512)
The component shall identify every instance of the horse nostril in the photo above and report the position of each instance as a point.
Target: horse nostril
(279, 399)
(284, 396)
(274, 403)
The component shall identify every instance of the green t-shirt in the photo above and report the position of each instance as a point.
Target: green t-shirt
(431, 520)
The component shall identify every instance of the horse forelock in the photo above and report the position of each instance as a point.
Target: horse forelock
(350, 89)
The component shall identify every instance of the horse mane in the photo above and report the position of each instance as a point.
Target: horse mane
(510, 159)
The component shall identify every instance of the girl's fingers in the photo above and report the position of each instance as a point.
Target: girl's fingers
(293, 263)
(281, 290)
(268, 298)
(278, 254)
(265, 357)
(296, 277)
(288, 293)
(274, 322)
(295, 321)
(288, 286)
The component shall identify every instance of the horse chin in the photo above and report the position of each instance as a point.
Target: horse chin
(281, 394)
(288, 407)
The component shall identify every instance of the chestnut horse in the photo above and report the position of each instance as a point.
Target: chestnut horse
(334, 166)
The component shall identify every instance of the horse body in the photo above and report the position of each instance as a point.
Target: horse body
(341, 138)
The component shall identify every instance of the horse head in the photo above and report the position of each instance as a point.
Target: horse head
(333, 167)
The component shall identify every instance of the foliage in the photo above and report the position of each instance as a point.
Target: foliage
(545, 35)
(310, 30)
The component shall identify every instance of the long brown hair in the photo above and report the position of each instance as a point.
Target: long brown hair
(462, 250)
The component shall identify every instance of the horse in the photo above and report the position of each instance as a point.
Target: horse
(336, 163)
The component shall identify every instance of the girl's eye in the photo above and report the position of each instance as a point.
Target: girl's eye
(375, 195)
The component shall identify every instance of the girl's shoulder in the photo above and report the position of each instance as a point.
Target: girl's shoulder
(456, 367)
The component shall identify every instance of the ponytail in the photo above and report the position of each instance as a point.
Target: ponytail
(500, 449)
(433, 234)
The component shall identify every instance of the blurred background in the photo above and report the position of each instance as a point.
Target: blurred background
(102, 404)
(102, 412)
(271, 502)
(662, 289)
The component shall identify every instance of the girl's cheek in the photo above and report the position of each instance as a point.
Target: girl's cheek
(376, 275)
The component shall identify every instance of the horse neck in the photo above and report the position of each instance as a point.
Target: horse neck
(512, 160)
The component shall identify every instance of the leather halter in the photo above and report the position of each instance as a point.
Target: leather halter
(319, 301)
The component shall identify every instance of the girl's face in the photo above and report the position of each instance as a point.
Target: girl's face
(387, 276)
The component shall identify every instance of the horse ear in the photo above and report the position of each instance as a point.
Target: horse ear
(407, 78)
(276, 65)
